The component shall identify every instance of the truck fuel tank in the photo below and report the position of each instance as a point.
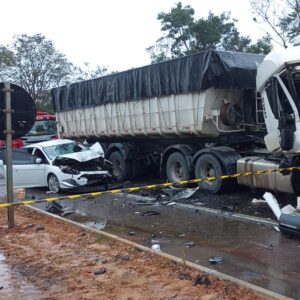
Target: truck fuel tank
(274, 181)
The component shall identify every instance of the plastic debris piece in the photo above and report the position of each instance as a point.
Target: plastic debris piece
(150, 213)
(288, 209)
(154, 241)
(258, 201)
(189, 244)
(216, 259)
(276, 228)
(273, 203)
(156, 247)
(100, 271)
(298, 203)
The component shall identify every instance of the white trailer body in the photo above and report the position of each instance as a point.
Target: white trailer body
(192, 114)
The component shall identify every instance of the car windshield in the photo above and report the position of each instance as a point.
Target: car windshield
(43, 127)
(67, 148)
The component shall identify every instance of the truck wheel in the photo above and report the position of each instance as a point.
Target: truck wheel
(121, 168)
(208, 165)
(53, 184)
(177, 168)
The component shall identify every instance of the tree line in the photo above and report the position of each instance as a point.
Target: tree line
(35, 64)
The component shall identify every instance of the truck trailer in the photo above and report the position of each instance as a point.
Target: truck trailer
(207, 114)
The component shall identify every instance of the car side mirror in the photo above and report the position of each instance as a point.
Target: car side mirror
(38, 160)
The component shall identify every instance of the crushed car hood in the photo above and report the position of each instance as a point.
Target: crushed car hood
(75, 158)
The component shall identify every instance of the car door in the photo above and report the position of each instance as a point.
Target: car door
(26, 171)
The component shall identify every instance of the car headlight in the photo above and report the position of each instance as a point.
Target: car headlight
(69, 170)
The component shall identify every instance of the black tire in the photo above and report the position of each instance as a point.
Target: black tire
(121, 168)
(53, 184)
(207, 165)
(177, 168)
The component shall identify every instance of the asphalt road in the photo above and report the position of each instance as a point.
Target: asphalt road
(253, 252)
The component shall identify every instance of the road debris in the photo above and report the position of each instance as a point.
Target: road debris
(288, 217)
(131, 233)
(150, 213)
(29, 225)
(215, 259)
(100, 271)
(179, 193)
(182, 235)
(270, 247)
(156, 247)
(258, 201)
(55, 208)
(189, 244)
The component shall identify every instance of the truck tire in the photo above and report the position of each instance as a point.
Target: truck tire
(177, 168)
(207, 165)
(121, 167)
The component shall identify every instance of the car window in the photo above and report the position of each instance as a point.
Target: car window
(67, 148)
(39, 154)
(20, 157)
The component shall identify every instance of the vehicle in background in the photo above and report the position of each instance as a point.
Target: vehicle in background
(16, 143)
(44, 129)
(208, 114)
(60, 164)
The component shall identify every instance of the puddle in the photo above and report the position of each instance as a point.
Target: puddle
(5, 275)
(13, 286)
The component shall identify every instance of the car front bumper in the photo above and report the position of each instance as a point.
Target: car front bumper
(86, 179)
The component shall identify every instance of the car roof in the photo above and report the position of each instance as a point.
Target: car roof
(50, 143)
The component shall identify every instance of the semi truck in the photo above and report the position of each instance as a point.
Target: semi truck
(204, 115)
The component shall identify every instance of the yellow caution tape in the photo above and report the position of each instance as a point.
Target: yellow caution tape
(145, 187)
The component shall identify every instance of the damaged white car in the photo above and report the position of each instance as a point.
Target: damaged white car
(59, 164)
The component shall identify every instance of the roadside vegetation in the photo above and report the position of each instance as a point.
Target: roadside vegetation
(34, 63)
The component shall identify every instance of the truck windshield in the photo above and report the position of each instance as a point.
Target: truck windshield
(291, 79)
(43, 127)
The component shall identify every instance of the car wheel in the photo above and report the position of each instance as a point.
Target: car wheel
(53, 184)
(177, 168)
(208, 165)
(121, 168)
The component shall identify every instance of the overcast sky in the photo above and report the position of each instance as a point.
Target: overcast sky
(112, 33)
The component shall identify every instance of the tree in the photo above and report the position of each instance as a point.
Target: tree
(85, 72)
(268, 12)
(281, 16)
(290, 22)
(33, 63)
(183, 35)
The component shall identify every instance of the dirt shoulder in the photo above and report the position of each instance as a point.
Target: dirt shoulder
(60, 261)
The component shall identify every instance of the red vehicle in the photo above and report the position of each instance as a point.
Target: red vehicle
(17, 143)
(44, 129)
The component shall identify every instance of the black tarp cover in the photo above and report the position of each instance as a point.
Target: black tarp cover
(196, 72)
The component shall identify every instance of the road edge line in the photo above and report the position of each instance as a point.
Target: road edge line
(257, 289)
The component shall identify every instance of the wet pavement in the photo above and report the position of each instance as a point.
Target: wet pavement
(13, 286)
(253, 252)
